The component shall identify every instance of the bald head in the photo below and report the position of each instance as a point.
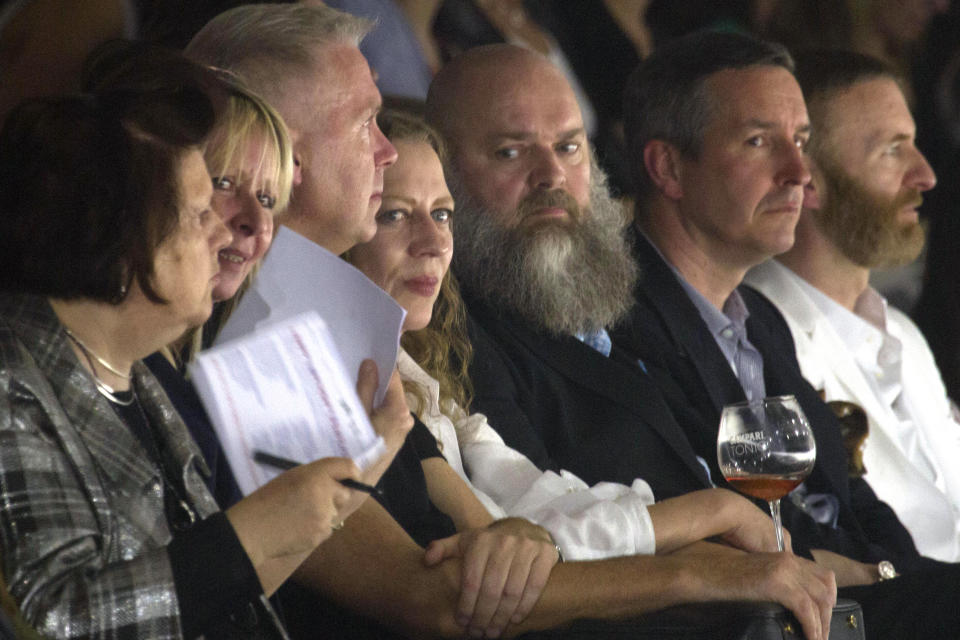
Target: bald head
(483, 77)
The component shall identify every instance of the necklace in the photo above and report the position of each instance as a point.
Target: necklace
(90, 353)
(102, 387)
(110, 393)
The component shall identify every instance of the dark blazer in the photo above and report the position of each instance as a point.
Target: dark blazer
(565, 406)
(666, 331)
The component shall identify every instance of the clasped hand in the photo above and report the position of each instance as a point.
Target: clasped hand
(504, 568)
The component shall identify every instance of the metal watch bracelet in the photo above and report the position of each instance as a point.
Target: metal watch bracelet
(886, 570)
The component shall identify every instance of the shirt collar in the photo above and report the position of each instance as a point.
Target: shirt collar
(861, 330)
(734, 309)
(872, 307)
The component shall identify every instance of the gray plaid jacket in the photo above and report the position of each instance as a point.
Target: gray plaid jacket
(82, 522)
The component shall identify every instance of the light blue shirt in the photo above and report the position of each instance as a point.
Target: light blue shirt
(598, 340)
(729, 330)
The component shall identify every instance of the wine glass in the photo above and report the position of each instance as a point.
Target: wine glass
(766, 449)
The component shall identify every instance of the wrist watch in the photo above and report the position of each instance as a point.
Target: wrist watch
(555, 546)
(559, 552)
(886, 570)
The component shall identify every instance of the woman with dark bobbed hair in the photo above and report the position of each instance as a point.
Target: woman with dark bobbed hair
(110, 252)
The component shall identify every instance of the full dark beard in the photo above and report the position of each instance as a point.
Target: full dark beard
(864, 227)
(564, 277)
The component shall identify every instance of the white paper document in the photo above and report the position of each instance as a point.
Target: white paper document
(283, 390)
(298, 276)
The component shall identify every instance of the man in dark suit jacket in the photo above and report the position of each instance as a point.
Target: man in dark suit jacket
(565, 405)
(666, 332)
(716, 129)
(545, 267)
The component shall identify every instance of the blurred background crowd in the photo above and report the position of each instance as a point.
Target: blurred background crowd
(597, 42)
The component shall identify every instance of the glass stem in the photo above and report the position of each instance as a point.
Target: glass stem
(777, 524)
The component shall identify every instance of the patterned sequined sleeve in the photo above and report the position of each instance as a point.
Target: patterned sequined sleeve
(76, 566)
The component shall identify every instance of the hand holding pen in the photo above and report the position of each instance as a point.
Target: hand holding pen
(284, 464)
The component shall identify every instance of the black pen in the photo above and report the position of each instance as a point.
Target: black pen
(284, 463)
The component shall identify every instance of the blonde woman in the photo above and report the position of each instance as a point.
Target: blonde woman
(248, 155)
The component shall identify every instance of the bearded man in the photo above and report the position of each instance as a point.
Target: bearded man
(545, 268)
(860, 212)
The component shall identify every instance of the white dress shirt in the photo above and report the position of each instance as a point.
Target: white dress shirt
(878, 359)
(602, 521)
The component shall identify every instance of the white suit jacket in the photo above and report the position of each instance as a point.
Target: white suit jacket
(930, 510)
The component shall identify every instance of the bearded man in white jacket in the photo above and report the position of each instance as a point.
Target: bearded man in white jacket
(860, 212)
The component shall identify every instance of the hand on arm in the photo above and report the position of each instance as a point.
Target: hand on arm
(375, 569)
(504, 564)
(703, 514)
(504, 568)
(625, 587)
(807, 589)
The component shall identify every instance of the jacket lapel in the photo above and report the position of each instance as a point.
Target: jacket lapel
(837, 372)
(176, 440)
(831, 367)
(611, 378)
(834, 361)
(95, 437)
(688, 335)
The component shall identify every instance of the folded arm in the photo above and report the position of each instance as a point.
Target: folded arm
(711, 513)
(374, 568)
(605, 520)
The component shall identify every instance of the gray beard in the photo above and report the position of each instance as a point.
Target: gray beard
(563, 279)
